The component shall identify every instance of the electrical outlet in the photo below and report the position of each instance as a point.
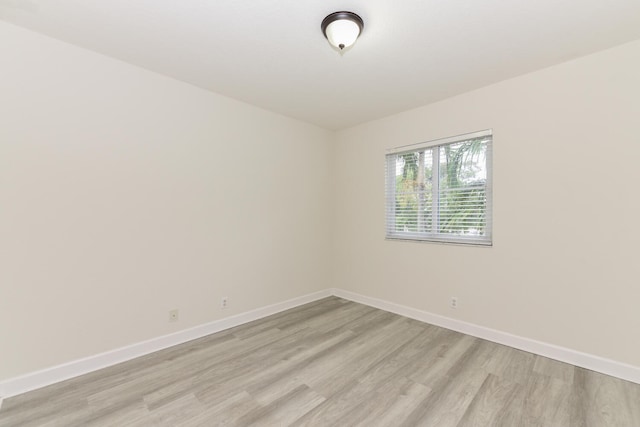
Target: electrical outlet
(453, 303)
(173, 315)
(224, 302)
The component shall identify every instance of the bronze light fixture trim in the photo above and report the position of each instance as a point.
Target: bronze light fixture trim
(342, 29)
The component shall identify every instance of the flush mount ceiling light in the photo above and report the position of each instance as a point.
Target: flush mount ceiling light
(342, 29)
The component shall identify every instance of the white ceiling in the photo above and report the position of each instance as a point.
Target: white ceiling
(272, 53)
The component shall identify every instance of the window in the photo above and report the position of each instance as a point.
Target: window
(441, 190)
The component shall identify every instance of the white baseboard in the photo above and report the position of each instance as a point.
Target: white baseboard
(48, 376)
(45, 377)
(562, 354)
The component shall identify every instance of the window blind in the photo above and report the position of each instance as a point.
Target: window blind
(441, 190)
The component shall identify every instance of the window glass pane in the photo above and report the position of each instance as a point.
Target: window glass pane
(414, 191)
(463, 177)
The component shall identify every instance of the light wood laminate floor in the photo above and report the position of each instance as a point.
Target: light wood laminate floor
(334, 363)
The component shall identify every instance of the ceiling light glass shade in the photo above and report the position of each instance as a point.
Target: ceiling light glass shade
(342, 34)
(342, 29)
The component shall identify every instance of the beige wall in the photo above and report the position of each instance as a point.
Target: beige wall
(124, 194)
(564, 267)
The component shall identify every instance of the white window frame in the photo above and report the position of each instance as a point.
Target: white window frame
(390, 193)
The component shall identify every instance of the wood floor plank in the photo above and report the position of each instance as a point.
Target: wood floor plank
(497, 404)
(285, 410)
(443, 358)
(611, 401)
(175, 411)
(226, 413)
(579, 405)
(360, 360)
(452, 393)
(547, 402)
(390, 404)
(554, 369)
(259, 377)
(514, 365)
(131, 414)
(402, 361)
(333, 363)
